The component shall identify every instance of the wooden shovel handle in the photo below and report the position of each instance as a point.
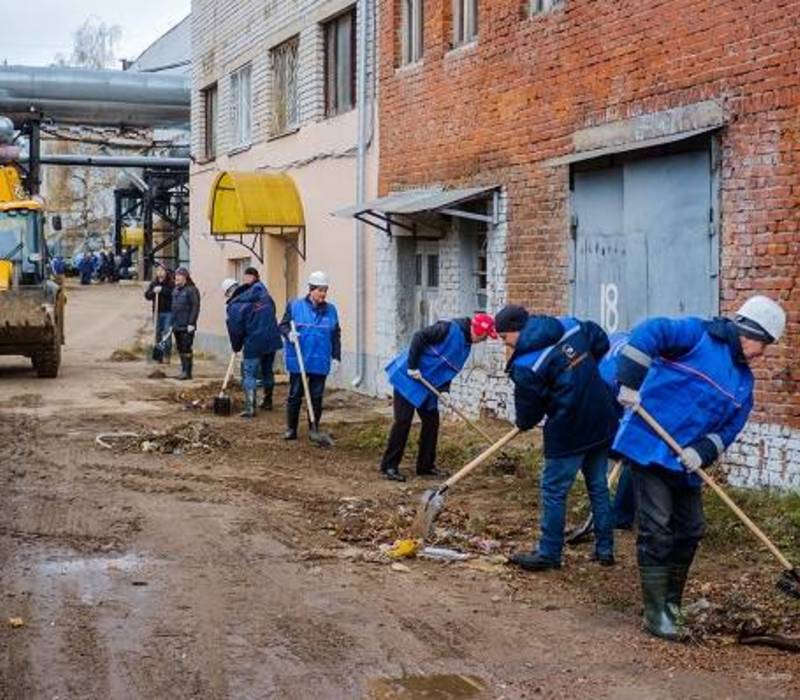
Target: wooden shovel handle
(455, 410)
(480, 459)
(228, 374)
(304, 378)
(666, 437)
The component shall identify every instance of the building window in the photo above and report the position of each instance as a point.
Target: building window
(210, 103)
(411, 31)
(433, 272)
(284, 86)
(340, 64)
(465, 21)
(541, 6)
(241, 102)
(237, 266)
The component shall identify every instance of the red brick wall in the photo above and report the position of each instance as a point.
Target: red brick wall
(493, 112)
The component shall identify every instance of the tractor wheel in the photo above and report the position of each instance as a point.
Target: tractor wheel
(48, 359)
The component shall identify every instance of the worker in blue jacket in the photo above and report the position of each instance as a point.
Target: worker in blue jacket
(437, 354)
(694, 377)
(320, 337)
(86, 268)
(554, 369)
(253, 329)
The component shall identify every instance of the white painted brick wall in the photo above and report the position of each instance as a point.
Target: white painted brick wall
(482, 386)
(765, 455)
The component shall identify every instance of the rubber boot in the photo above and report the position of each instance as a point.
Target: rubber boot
(266, 403)
(678, 573)
(186, 367)
(292, 419)
(657, 619)
(249, 404)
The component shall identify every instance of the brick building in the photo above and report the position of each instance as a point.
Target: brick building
(632, 158)
(274, 94)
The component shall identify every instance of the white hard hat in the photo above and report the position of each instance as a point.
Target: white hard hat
(318, 279)
(228, 284)
(761, 318)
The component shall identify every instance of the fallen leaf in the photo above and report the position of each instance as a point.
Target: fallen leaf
(400, 568)
(16, 622)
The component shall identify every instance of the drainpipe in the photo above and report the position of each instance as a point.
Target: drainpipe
(361, 185)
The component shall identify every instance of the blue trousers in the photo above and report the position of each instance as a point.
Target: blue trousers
(558, 476)
(625, 500)
(252, 367)
(163, 322)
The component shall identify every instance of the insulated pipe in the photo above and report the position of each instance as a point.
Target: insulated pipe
(114, 161)
(94, 97)
(361, 163)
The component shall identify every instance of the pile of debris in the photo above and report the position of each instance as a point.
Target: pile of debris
(188, 438)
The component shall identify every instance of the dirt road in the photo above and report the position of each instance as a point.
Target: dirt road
(244, 571)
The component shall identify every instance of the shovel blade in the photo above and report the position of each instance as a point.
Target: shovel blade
(789, 583)
(222, 406)
(431, 504)
(320, 438)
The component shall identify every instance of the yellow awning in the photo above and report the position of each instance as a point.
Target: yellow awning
(251, 202)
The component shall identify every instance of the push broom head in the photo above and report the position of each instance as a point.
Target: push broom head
(789, 583)
(430, 506)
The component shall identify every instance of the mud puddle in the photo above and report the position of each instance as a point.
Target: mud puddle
(438, 687)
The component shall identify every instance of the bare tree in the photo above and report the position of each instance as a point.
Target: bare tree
(94, 45)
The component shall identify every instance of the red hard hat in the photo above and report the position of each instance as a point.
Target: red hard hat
(483, 324)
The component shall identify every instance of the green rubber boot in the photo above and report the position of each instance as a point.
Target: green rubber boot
(249, 404)
(678, 573)
(657, 619)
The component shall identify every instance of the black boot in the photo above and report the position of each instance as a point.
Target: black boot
(533, 561)
(186, 367)
(266, 403)
(316, 404)
(249, 404)
(292, 419)
(657, 619)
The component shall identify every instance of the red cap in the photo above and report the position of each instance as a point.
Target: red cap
(483, 324)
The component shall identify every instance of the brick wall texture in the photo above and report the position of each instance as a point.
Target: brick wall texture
(493, 111)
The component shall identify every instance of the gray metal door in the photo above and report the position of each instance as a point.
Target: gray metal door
(645, 241)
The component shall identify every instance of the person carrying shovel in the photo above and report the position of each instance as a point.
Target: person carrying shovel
(693, 376)
(253, 329)
(436, 355)
(318, 334)
(554, 368)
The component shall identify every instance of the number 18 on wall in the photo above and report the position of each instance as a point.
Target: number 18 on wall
(609, 309)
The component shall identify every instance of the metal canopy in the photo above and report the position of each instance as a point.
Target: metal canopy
(245, 206)
(383, 213)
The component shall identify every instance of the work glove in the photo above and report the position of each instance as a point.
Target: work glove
(190, 329)
(629, 397)
(157, 289)
(335, 364)
(414, 374)
(691, 459)
(293, 336)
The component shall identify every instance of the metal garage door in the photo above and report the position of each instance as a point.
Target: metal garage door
(645, 239)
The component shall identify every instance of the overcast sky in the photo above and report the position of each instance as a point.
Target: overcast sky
(34, 31)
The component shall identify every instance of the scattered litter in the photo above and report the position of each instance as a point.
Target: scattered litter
(186, 438)
(16, 622)
(444, 554)
(404, 548)
(400, 568)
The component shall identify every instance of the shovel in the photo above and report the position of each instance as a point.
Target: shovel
(158, 348)
(581, 533)
(433, 500)
(314, 434)
(222, 403)
(789, 582)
